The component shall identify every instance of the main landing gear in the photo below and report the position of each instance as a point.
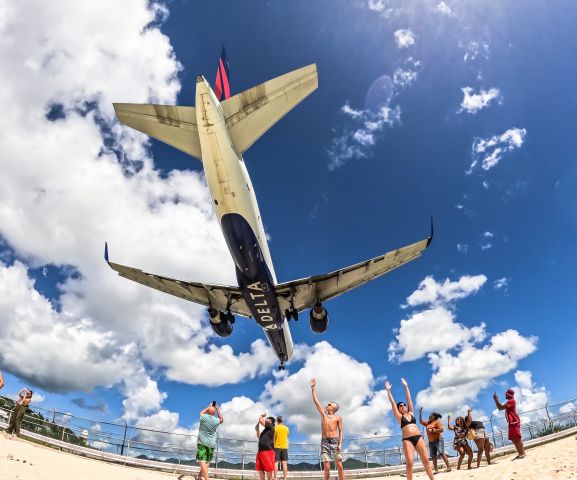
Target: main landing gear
(291, 313)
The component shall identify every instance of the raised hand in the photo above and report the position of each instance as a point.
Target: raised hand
(404, 382)
(388, 386)
(313, 383)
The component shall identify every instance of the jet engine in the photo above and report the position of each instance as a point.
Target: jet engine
(221, 322)
(319, 318)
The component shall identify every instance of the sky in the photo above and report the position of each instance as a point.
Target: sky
(463, 111)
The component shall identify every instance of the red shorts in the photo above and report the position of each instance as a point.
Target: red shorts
(265, 461)
(515, 432)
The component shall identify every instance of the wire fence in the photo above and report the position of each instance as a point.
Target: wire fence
(176, 448)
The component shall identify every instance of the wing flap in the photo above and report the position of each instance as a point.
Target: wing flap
(171, 124)
(251, 113)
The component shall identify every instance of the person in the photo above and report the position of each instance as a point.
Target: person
(460, 443)
(206, 441)
(332, 435)
(1, 381)
(24, 399)
(281, 433)
(435, 436)
(412, 439)
(481, 438)
(265, 454)
(513, 421)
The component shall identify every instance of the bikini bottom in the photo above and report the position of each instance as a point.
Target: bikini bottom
(414, 440)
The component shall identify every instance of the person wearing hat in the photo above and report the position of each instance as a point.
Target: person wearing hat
(265, 455)
(435, 436)
(513, 420)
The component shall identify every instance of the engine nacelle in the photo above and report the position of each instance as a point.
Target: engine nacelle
(319, 318)
(221, 322)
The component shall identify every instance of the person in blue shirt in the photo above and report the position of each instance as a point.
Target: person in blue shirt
(206, 441)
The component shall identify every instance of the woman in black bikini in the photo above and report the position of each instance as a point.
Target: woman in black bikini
(412, 440)
(460, 443)
(481, 438)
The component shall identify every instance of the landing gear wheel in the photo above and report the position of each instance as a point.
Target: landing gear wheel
(281, 367)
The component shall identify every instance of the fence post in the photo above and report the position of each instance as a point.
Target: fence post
(216, 453)
(124, 439)
(385, 457)
(492, 430)
(366, 459)
(502, 441)
(547, 410)
(243, 459)
(400, 457)
(530, 432)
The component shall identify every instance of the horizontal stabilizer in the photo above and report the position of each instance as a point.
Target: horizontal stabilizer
(170, 124)
(252, 112)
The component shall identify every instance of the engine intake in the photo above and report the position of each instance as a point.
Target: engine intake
(319, 318)
(221, 322)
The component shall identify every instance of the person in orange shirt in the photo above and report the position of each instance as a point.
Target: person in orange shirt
(435, 435)
(281, 433)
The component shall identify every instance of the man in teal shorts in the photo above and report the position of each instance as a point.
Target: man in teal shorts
(207, 438)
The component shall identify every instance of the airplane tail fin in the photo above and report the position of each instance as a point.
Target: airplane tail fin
(251, 113)
(221, 84)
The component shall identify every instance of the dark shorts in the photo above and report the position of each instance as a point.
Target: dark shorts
(436, 448)
(265, 461)
(281, 454)
(203, 453)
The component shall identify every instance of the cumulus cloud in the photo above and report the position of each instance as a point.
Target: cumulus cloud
(432, 292)
(404, 38)
(501, 283)
(81, 178)
(354, 142)
(489, 151)
(464, 359)
(473, 102)
(474, 49)
(405, 75)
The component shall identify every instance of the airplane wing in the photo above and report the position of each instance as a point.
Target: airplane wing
(308, 291)
(171, 124)
(209, 295)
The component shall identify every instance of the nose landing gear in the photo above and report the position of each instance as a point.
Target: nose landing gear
(281, 366)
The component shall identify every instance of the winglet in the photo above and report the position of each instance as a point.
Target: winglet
(106, 252)
(430, 239)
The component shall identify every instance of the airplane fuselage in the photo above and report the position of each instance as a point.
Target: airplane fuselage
(239, 217)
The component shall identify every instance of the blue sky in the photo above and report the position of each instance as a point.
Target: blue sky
(476, 128)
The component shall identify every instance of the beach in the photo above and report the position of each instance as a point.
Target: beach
(22, 460)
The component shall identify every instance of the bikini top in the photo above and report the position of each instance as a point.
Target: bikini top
(405, 422)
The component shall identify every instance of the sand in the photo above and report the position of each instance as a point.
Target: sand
(22, 460)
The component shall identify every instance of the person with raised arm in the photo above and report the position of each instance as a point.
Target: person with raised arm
(481, 438)
(1, 381)
(24, 399)
(206, 441)
(435, 436)
(265, 455)
(332, 435)
(513, 421)
(460, 442)
(412, 439)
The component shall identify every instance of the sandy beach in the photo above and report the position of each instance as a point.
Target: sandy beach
(22, 460)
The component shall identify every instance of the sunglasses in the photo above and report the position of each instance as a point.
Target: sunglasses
(402, 405)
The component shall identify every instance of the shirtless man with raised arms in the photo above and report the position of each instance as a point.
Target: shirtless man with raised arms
(332, 430)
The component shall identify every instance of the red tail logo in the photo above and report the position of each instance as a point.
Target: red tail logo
(221, 85)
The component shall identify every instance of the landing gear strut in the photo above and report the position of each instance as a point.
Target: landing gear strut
(291, 313)
(281, 366)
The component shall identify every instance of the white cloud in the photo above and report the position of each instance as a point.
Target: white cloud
(462, 247)
(411, 343)
(404, 77)
(404, 38)
(501, 283)
(488, 234)
(486, 246)
(475, 49)
(489, 151)
(81, 178)
(432, 292)
(473, 102)
(444, 9)
(354, 143)
(568, 407)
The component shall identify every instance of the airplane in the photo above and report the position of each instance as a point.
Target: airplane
(218, 131)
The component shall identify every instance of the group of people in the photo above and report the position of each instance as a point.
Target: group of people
(465, 428)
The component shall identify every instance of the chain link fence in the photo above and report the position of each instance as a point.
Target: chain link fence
(180, 449)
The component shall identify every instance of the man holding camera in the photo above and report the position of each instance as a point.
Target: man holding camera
(206, 442)
(265, 455)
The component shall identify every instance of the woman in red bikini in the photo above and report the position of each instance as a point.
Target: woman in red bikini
(412, 440)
